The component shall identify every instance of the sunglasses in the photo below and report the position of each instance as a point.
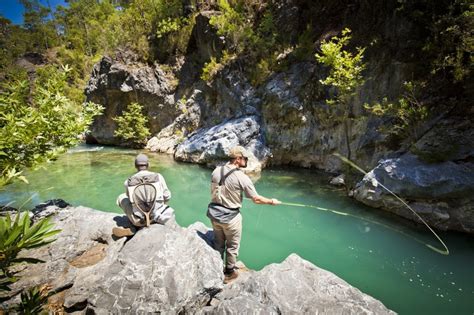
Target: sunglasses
(244, 157)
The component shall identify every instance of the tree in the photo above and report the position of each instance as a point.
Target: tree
(131, 126)
(37, 121)
(345, 75)
(41, 29)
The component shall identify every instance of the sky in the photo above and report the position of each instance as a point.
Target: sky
(13, 10)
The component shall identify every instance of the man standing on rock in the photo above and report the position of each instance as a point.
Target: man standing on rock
(160, 212)
(228, 183)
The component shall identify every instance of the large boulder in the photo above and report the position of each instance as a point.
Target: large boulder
(115, 83)
(442, 193)
(159, 270)
(294, 286)
(211, 145)
(162, 268)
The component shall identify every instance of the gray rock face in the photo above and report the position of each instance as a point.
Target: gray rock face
(117, 83)
(211, 145)
(160, 269)
(293, 287)
(300, 131)
(442, 193)
(168, 269)
(292, 128)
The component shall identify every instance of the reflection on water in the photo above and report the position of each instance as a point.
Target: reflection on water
(377, 254)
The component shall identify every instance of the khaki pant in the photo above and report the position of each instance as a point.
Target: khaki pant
(227, 236)
(124, 203)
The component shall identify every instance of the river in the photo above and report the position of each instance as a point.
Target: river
(380, 254)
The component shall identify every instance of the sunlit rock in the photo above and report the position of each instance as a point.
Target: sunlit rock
(211, 145)
(442, 193)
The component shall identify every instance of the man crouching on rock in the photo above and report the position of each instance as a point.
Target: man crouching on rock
(228, 183)
(153, 194)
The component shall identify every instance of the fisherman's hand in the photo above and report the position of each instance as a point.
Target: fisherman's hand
(275, 201)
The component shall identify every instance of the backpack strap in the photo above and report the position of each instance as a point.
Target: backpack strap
(224, 177)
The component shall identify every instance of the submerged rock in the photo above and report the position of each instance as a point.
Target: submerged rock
(168, 269)
(442, 193)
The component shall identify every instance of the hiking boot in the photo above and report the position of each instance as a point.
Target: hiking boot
(228, 277)
(122, 232)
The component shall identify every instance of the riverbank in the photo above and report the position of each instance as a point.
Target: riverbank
(171, 269)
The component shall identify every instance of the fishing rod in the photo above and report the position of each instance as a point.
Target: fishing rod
(440, 251)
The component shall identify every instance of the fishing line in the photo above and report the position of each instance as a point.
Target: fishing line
(360, 218)
(440, 251)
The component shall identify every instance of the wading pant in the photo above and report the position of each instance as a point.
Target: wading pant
(227, 236)
(124, 203)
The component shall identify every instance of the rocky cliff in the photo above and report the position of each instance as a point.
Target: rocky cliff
(169, 269)
(283, 120)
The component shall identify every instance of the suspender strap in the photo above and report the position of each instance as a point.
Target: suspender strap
(224, 177)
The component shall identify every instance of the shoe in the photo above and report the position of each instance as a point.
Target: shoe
(229, 277)
(122, 232)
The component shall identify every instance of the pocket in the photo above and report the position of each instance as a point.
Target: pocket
(163, 214)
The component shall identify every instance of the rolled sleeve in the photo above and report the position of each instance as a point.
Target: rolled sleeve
(248, 187)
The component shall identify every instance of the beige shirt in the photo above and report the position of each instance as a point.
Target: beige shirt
(230, 194)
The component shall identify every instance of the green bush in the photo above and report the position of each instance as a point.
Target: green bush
(407, 113)
(131, 126)
(213, 67)
(345, 75)
(17, 235)
(38, 121)
(31, 301)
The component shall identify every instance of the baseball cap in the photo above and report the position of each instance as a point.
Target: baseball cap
(141, 159)
(238, 151)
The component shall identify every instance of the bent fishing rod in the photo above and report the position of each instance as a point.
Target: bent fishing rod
(440, 251)
(352, 164)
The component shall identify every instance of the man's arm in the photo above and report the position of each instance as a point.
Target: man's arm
(250, 192)
(266, 201)
(166, 191)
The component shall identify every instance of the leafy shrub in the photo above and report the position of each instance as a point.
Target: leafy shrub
(213, 67)
(131, 126)
(346, 68)
(17, 235)
(345, 75)
(407, 113)
(32, 301)
(38, 121)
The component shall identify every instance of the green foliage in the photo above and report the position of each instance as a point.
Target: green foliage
(213, 67)
(447, 42)
(408, 112)
(346, 68)
(31, 302)
(453, 41)
(345, 75)
(131, 126)
(38, 121)
(17, 235)
(248, 37)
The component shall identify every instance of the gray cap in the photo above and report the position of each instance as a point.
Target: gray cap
(238, 151)
(141, 159)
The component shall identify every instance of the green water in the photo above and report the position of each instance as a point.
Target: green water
(387, 263)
